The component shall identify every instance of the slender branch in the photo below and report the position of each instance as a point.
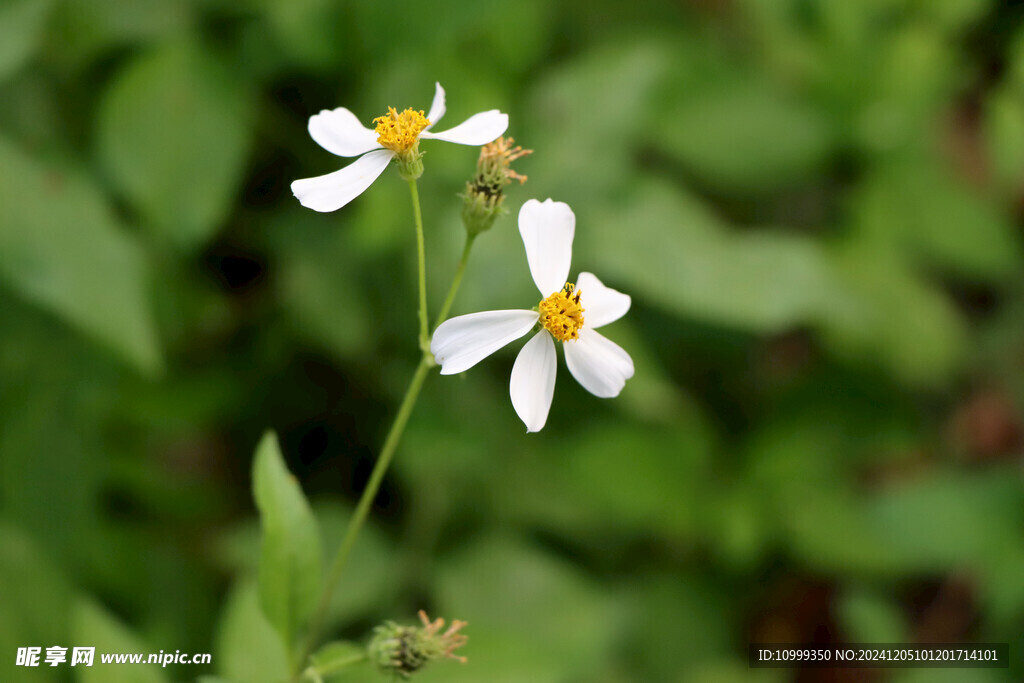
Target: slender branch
(387, 452)
(334, 667)
(365, 502)
(422, 263)
(456, 281)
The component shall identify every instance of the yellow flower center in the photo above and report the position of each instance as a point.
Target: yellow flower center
(400, 132)
(561, 313)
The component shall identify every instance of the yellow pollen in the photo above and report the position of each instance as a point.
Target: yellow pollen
(561, 313)
(400, 132)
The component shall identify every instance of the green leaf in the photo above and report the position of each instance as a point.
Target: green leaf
(805, 500)
(290, 571)
(949, 520)
(585, 115)
(1004, 136)
(319, 281)
(870, 617)
(370, 574)
(527, 601)
(61, 249)
(304, 31)
(671, 623)
(1002, 590)
(247, 649)
(892, 317)
(762, 282)
(952, 14)
(35, 613)
(648, 480)
(85, 29)
(741, 135)
(339, 659)
(653, 396)
(499, 656)
(173, 132)
(507, 37)
(21, 24)
(44, 395)
(938, 523)
(927, 215)
(1015, 60)
(827, 531)
(738, 528)
(93, 626)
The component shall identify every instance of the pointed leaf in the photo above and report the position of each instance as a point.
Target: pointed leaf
(61, 249)
(290, 571)
(246, 647)
(339, 658)
(21, 23)
(936, 220)
(172, 131)
(93, 626)
(743, 136)
(763, 281)
(36, 612)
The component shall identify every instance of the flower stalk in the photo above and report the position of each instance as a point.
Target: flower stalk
(394, 435)
(460, 270)
(396, 138)
(421, 261)
(483, 202)
(355, 525)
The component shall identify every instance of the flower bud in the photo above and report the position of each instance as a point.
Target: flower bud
(407, 649)
(484, 198)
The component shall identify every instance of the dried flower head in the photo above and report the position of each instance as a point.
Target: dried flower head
(484, 197)
(407, 649)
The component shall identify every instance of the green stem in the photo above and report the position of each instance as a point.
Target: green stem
(456, 281)
(363, 507)
(422, 258)
(387, 452)
(335, 667)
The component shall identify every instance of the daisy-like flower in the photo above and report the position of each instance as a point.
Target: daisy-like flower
(397, 136)
(569, 313)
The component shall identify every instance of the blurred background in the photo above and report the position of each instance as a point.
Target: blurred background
(816, 207)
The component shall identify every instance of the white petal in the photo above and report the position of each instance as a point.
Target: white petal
(437, 108)
(602, 305)
(341, 133)
(533, 381)
(332, 191)
(478, 129)
(462, 342)
(547, 229)
(598, 363)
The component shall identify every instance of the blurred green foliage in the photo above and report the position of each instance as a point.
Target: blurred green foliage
(816, 207)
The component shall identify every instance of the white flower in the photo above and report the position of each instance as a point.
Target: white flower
(600, 365)
(397, 136)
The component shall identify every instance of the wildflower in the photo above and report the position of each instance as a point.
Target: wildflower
(568, 312)
(406, 649)
(484, 199)
(396, 136)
